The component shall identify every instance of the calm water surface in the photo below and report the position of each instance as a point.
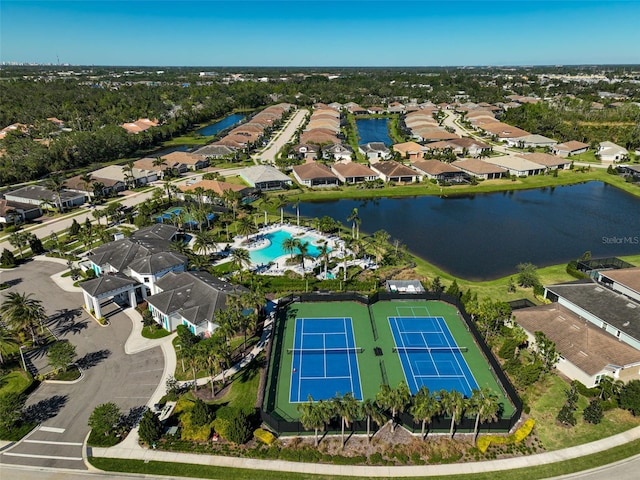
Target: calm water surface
(373, 130)
(485, 236)
(221, 125)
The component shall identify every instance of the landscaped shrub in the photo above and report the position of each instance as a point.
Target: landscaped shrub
(593, 413)
(566, 416)
(233, 424)
(264, 436)
(150, 428)
(584, 391)
(193, 432)
(200, 414)
(518, 436)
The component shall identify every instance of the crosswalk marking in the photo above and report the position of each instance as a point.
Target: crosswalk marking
(74, 444)
(49, 457)
(52, 429)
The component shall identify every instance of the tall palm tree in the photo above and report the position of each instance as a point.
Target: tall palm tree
(370, 410)
(240, 258)
(203, 241)
(303, 248)
(7, 341)
(453, 404)
(311, 416)
(55, 183)
(354, 218)
(425, 407)
(20, 240)
(22, 312)
(348, 409)
(486, 405)
(128, 174)
(324, 254)
(246, 227)
(394, 399)
(86, 180)
(289, 245)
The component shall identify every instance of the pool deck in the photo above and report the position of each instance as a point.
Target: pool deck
(278, 265)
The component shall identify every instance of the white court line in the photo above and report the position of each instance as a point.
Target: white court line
(456, 357)
(73, 444)
(52, 429)
(50, 457)
(324, 378)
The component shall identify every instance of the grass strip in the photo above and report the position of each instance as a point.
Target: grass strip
(222, 473)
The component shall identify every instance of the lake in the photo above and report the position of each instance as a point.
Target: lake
(373, 130)
(484, 236)
(221, 125)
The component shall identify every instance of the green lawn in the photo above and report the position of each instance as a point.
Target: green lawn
(16, 381)
(154, 332)
(546, 399)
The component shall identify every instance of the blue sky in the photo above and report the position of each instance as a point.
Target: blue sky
(319, 33)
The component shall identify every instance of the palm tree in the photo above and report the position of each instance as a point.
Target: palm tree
(394, 399)
(303, 248)
(485, 404)
(290, 244)
(98, 214)
(86, 180)
(7, 341)
(246, 227)
(370, 410)
(240, 258)
(55, 183)
(609, 388)
(23, 313)
(454, 404)
(324, 254)
(380, 241)
(347, 408)
(355, 223)
(20, 240)
(195, 360)
(203, 241)
(311, 416)
(128, 174)
(425, 406)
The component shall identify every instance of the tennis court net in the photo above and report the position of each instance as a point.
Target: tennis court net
(326, 350)
(431, 349)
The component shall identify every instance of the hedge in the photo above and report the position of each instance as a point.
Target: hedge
(519, 435)
(264, 436)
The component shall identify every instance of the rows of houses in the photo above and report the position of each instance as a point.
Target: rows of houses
(143, 268)
(594, 323)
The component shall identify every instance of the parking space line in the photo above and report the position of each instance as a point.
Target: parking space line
(50, 457)
(75, 444)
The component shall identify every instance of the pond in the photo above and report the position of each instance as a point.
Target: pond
(484, 236)
(373, 130)
(226, 122)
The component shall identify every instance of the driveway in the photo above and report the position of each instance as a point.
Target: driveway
(63, 409)
(268, 155)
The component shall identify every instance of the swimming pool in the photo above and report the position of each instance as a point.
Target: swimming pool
(168, 215)
(274, 249)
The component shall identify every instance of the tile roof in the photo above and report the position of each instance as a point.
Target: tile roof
(579, 341)
(629, 277)
(157, 262)
(107, 283)
(571, 146)
(545, 159)
(435, 167)
(263, 173)
(391, 168)
(353, 169)
(477, 167)
(214, 185)
(313, 170)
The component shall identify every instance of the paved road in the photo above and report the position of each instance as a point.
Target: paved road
(109, 374)
(268, 155)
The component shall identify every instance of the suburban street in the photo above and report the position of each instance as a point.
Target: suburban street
(109, 375)
(268, 155)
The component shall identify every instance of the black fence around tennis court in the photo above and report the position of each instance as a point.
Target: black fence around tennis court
(283, 424)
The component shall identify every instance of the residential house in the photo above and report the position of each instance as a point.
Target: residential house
(410, 150)
(14, 127)
(337, 152)
(375, 151)
(465, 146)
(532, 140)
(614, 313)
(139, 125)
(265, 178)
(314, 174)
(567, 149)
(352, 172)
(518, 166)
(319, 136)
(625, 280)
(192, 299)
(38, 196)
(503, 131)
(119, 173)
(610, 152)
(213, 190)
(107, 186)
(587, 353)
(215, 151)
(480, 169)
(430, 134)
(305, 151)
(392, 171)
(396, 107)
(191, 160)
(551, 162)
(441, 171)
(14, 212)
(151, 165)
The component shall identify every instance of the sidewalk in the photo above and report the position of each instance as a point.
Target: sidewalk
(130, 449)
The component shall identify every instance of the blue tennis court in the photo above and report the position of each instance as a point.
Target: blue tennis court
(324, 360)
(430, 355)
